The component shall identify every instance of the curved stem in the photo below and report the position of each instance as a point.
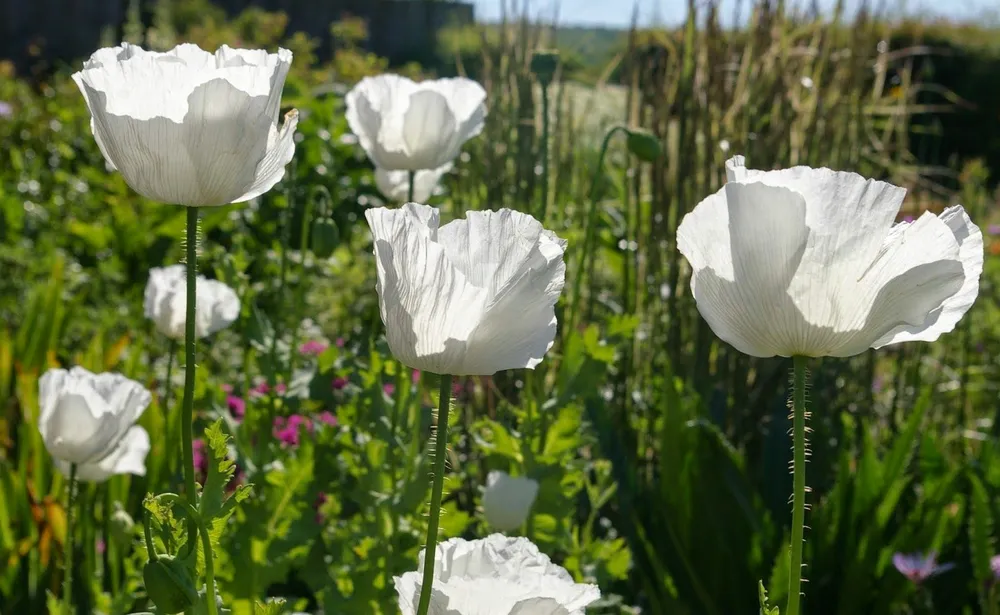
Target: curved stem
(187, 413)
(206, 546)
(587, 251)
(798, 484)
(437, 489)
(69, 543)
(147, 534)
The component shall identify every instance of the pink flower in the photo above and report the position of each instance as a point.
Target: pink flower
(313, 348)
(288, 430)
(995, 567)
(226, 388)
(339, 383)
(993, 229)
(327, 418)
(340, 342)
(919, 567)
(263, 389)
(100, 546)
(389, 388)
(237, 406)
(200, 459)
(415, 376)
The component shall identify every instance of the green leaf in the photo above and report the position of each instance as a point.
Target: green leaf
(220, 471)
(274, 606)
(765, 609)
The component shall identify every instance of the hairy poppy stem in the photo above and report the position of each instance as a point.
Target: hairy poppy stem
(799, 378)
(187, 410)
(437, 490)
(69, 543)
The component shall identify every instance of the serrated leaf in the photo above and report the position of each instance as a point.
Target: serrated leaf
(765, 609)
(220, 471)
(274, 606)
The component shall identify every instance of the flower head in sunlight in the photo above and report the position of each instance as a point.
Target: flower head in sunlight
(408, 126)
(395, 185)
(189, 127)
(165, 303)
(89, 420)
(313, 348)
(808, 262)
(507, 500)
(495, 575)
(472, 297)
(918, 567)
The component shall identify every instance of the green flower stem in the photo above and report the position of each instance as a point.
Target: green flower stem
(437, 490)
(68, 545)
(165, 402)
(587, 250)
(300, 290)
(545, 152)
(798, 484)
(187, 412)
(206, 546)
(410, 186)
(147, 534)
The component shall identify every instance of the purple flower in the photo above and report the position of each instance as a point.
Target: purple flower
(288, 430)
(327, 418)
(6, 109)
(389, 388)
(877, 384)
(919, 567)
(237, 406)
(995, 567)
(340, 342)
(99, 546)
(313, 348)
(415, 376)
(263, 389)
(339, 383)
(200, 458)
(907, 218)
(993, 229)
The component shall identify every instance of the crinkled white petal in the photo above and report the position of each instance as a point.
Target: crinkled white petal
(165, 303)
(473, 298)
(188, 127)
(946, 316)
(495, 576)
(410, 126)
(507, 500)
(85, 417)
(802, 262)
(395, 185)
(128, 457)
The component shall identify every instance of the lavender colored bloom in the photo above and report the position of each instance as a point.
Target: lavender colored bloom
(877, 384)
(907, 218)
(993, 229)
(6, 109)
(919, 567)
(313, 348)
(995, 567)
(327, 418)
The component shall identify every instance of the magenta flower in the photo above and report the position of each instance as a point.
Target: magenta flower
(340, 342)
(327, 418)
(415, 376)
(339, 383)
(993, 229)
(907, 218)
(288, 430)
(389, 388)
(262, 389)
(100, 546)
(200, 459)
(237, 406)
(313, 348)
(919, 567)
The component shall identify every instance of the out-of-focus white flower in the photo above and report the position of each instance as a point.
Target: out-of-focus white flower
(806, 82)
(507, 500)
(473, 297)
(724, 145)
(495, 576)
(217, 305)
(395, 185)
(409, 126)
(808, 262)
(89, 420)
(189, 127)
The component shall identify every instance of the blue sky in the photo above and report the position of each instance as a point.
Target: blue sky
(618, 13)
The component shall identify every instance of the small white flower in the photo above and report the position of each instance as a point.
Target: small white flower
(409, 126)
(395, 185)
(88, 420)
(806, 82)
(808, 262)
(507, 500)
(496, 575)
(472, 298)
(217, 305)
(189, 127)
(724, 145)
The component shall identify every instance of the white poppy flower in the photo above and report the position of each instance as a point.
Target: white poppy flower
(89, 420)
(409, 126)
(165, 303)
(395, 185)
(189, 127)
(507, 499)
(808, 262)
(472, 298)
(495, 575)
